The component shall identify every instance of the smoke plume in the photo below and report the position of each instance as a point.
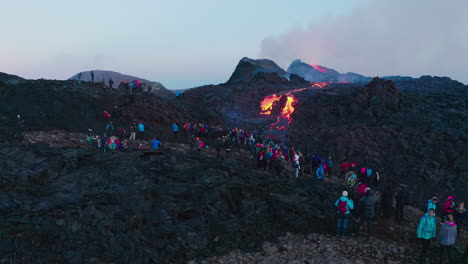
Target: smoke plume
(384, 37)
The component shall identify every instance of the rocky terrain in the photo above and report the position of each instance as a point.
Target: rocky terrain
(63, 201)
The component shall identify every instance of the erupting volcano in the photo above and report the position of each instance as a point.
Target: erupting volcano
(283, 120)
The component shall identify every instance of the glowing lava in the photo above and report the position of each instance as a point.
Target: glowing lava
(288, 108)
(283, 120)
(320, 68)
(267, 104)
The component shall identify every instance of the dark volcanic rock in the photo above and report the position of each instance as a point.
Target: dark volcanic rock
(248, 68)
(113, 207)
(411, 138)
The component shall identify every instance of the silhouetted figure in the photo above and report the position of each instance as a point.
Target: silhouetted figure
(79, 78)
(111, 82)
(92, 76)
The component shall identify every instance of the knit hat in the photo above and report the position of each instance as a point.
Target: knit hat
(344, 193)
(449, 198)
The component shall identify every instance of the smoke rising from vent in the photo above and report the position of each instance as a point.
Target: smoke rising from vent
(384, 37)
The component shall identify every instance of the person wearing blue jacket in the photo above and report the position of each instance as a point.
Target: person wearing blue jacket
(345, 205)
(320, 172)
(426, 231)
(432, 204)
(141, 130)
(175, 129)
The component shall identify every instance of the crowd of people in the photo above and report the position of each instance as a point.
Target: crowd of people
(362, 201)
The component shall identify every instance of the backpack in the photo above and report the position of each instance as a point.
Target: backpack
(342, 206)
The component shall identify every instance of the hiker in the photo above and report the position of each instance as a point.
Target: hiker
(368, 207)
(297, 166)
(155, 143)
(79, 78)
(320, 172)
(175, 129)
(122, 132)
(110, 128)
(280, 165)
(133, 130)
(449, 206)
(330, 166)
(401, 200)
(112, 142)
(141, 130)
(107, 115)
(447, 237)
(104, 142)
(116, 113)
(345, 205)
(123, 145)
(387, 201)
(426, 231)
(111, 82)
(92, 76)
(351, 179)
(431, 204)
(459, 215)
(227, 147)
(361, 189)
(376, 179)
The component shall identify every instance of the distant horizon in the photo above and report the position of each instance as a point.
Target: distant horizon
(194, 43)
(184, 88)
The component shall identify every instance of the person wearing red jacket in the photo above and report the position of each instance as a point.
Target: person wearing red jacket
(449, 206)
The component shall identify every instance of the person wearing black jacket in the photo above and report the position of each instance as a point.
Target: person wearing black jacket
(368, 207)
(401, 199)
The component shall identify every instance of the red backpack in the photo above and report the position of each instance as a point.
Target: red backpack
(342, 206)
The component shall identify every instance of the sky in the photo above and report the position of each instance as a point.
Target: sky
(189, 43)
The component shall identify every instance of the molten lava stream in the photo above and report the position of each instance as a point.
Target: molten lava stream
(288, 108)
(267, 104)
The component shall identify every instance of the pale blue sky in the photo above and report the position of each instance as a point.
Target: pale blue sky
(189, 43)
(179, 43)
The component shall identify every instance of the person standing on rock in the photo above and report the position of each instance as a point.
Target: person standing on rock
(141, 130)
(368, 208)
(92, 76)
(133, 130)
(320, 172)
(79, 78)
(426, 231)
(175, 130)
(387, 200)
(447, 237)
(401, 199)
(431, 204)
(330, 166)
(111, 82)
(110, 128)
(449, 206)
(345, 205)
(227, 147)
(155, 143)
(297, 165)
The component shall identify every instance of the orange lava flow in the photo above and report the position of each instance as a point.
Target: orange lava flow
(267, 104)
(284, 119)
(288, 108)
(319, 84)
